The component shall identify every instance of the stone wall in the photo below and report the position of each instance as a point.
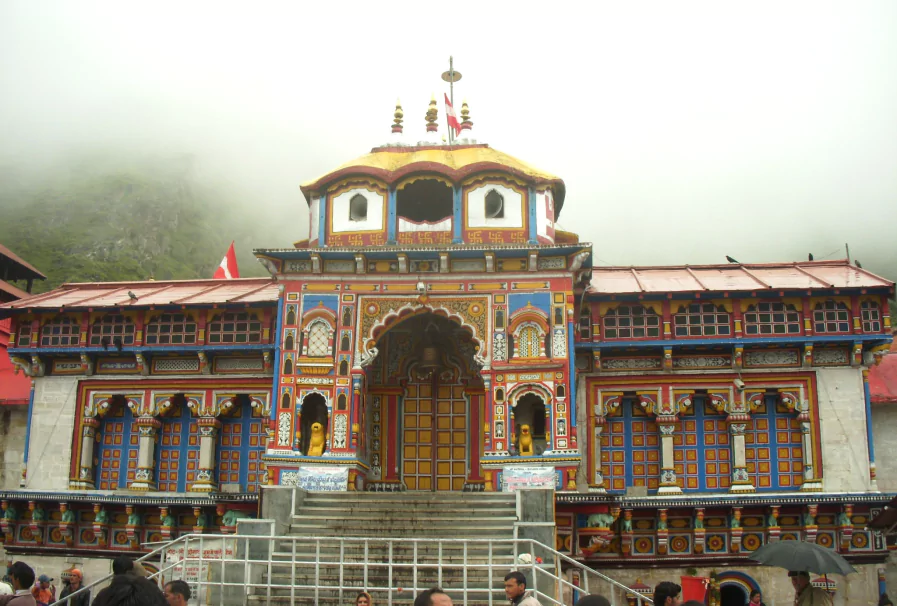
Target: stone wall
(13, 423)
(52, 424)
(884, 437)
(842, 421)
(859, 589)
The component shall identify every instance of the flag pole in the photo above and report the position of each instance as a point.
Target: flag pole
(451, 76)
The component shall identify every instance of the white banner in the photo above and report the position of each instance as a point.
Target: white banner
(515, 478)
(193, 570)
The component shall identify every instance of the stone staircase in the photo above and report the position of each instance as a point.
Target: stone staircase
(381, 516)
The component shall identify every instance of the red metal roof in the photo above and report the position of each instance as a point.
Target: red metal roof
(883, 379)
(7, 290)
(5, 252)
(168, 292)
(733, 277)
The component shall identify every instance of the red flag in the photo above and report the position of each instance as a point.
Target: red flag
(228, 270)
(452, 118)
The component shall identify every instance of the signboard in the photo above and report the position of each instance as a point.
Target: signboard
(318, 479)
(194, 569)
(515, 478)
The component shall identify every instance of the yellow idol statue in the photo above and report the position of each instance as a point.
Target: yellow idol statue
(526, 441)
(316, 444)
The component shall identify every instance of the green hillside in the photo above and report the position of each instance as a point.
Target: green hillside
(127, 223)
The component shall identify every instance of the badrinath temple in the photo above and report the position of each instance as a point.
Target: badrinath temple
(435, 330)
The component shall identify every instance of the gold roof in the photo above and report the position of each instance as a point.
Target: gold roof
(454, 162)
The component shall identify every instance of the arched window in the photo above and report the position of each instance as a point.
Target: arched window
(341, 402)
(528, 339)
(499, 319)
(344, 343)
(112, 329)
(631, 322)
(558, 316)
(171, 329)
(499, 395)
(60, 332)
(288, 342)
(831, 317)
(288, 366)
(235, 327)
(347, 316)
(771, 318)
(702, 320)
(561, 391)
(291, 314)
(344, 368)
(494, 205)
(871, 316)
(285, 400)
(319, 339)
(358, 208)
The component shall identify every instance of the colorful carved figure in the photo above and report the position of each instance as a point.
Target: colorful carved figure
(525, 442)
(232, 515)
(68, 516)
(102, 517)
(316, 443)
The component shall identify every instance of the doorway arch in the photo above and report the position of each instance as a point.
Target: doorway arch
(732, 594)
(313, 410)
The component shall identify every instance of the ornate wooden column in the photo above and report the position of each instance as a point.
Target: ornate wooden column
(207, 412)
(145, 476)
(737, 419)
(666, 414)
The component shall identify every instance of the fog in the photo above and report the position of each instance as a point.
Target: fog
(685, 131)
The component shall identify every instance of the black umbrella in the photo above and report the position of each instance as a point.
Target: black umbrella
(802, 556)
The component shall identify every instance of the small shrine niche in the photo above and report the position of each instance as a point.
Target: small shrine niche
(530, 412)
(313, 411)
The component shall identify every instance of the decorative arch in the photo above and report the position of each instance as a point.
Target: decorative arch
(528, 314)
(317, 339)
(518, 391)
(380, 317)
(740, 579)
(528, 340)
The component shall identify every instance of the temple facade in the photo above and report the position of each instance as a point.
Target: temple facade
(436, 331)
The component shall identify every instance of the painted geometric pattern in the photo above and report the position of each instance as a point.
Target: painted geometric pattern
(117, 451)
(717, 465)
(230, 443)
(686, 456)
(319, 340)
(257, 435)
(773, 449)
(434, 444)
(645, 449)
(613, 454)
(241, 443)
(178, 456)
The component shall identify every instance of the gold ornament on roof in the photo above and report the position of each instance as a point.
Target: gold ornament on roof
(465, 114)
(397, 117)
(432, 114)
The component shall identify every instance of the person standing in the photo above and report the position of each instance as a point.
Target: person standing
(756, 598)
(22, 578)
(44, 592)
(363, 599)
(73, 585)
(804, 593)
(667, 593)
(515, 589)
(177, 593)
(433, 597)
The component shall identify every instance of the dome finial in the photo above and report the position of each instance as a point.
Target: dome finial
(397, 118)
(466, 124)
(432, 115)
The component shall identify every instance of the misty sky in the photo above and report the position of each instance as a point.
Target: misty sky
(685, 131)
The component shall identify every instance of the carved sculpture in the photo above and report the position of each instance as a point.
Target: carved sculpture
(316, 443)
(232, 515)
(525, 443)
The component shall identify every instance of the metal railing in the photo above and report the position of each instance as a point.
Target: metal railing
(231, 570)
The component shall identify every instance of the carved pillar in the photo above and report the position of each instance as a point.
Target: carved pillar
(67, 523)
(735, 530)
(810, 526)
(668, 485)
(132, 528)
(626, 533)
(772, 525)
(144, 477)
(208, 440)
(100, 524)
(167, 523)
(38, 520)
(845, 528)
(86, 471)
(663, 532)
(597, 484)
(741, 482)
(699, 531)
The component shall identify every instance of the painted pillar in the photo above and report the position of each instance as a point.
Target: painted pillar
(393, 425)
(208, 442)
(391, 222)
(531, 213)
(85, 480)
(869, 442)
(475, 404)
(27, 435)
(741, 482)
(278, 344)
(457, 216)
(597, 483)
(668, 485)
(144, 478)
(322, 221)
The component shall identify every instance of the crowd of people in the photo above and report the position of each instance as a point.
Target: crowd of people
(130, 586)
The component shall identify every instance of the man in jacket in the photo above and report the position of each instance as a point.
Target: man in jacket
(805, 594)
(22, 577)
(74, 584)
(515, 589)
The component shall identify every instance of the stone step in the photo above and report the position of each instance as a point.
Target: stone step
(479, 532)
(393, 508)
(404, 522)
(424, 558)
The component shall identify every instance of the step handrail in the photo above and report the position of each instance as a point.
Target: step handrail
(538, 570)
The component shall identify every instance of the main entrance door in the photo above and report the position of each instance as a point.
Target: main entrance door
(434, 436)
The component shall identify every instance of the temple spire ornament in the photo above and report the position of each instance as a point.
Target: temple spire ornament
(397, 118)
(432, 115)
(466, 134)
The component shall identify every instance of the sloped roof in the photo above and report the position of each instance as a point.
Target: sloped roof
(11, 292)
(454, 162)
(26, 270)
(170, 292)
(734, 277)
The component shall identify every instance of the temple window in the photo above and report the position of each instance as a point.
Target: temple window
(494, 205)
(288, 343)
(871, 316)
(585, 323)
(771, 318)
(288, 366)
(291, 314)
(347, 316)
(631, 322)
(344, 343)
(24, 335)
(831, 317)
(773, 447)
(425, 200)
(171, 329)
(528, 341)
(630, 458)
(285, 400)
(702, 455)
(319, 339)
(235, 327)
(499, 319)
(60, 332)
(176, 462)
(344, 368)
(358, 208)
(702, 320)
(241, 443)
(112, 329)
